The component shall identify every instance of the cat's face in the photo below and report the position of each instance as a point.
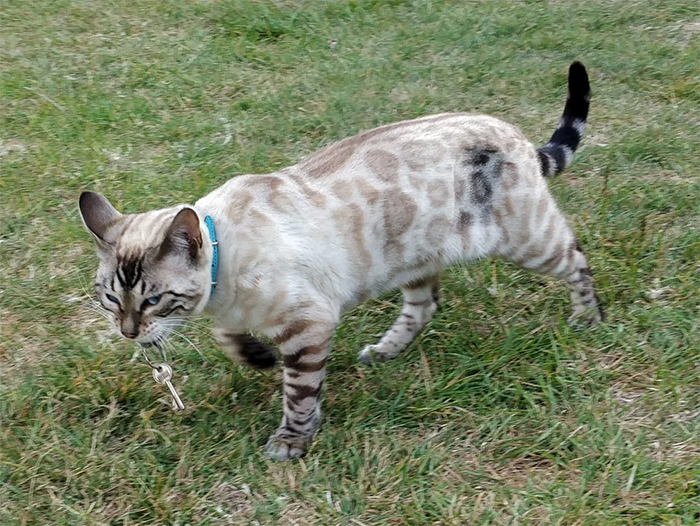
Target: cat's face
(153, 270)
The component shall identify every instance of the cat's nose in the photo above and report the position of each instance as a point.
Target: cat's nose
(130, 335)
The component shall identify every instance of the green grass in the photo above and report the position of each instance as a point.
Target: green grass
(499, 414)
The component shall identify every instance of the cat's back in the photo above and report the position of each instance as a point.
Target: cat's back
(418, 156)
(410, 153)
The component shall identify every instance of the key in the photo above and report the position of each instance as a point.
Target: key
(163, 373)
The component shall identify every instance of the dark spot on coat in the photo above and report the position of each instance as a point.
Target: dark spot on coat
(481, 187)
(399, 212)
(465, 220)
(482, 157)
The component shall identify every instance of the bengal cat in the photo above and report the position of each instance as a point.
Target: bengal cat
(390, 207)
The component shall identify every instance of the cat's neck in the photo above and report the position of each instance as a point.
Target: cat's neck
(259, 248)
(217, 286)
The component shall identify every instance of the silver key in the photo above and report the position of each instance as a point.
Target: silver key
(163, 373)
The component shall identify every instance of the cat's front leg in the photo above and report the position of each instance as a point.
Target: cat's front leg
(304, 346)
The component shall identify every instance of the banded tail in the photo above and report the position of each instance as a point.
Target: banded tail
(557, 154)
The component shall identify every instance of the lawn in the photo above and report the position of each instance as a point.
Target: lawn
(500, 413)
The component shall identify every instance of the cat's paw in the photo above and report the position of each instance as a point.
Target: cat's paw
(587, 318)
(284, 445)
(373, 354)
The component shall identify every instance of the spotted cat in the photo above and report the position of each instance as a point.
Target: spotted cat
(390, 207)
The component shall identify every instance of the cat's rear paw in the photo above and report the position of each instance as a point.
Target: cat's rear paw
(587, 318)
(285, 445)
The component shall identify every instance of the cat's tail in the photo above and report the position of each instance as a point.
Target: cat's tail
(557, 154)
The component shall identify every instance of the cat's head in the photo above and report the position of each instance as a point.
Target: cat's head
(154, 267)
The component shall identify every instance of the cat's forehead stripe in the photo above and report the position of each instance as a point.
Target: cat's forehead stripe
(129, 270)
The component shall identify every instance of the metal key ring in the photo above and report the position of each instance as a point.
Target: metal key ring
(144, 353)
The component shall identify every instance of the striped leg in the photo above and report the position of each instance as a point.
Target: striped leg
(420, 301)
(560, 255)
(304, 346)
(586, 307)
(245, 349)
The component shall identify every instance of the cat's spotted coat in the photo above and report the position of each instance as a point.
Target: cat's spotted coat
(388, 208)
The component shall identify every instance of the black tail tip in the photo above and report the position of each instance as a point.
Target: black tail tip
(578, 80)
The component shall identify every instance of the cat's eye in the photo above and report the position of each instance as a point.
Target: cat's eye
(153, 300)
(112, 299)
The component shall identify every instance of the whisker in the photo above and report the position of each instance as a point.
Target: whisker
(135, 357)
(178, 333)
(199, 332)
(174, 323)
(96, 308)
(98, 311)
(168, 346)
(91, 303)
(83, 285)
(191, 322)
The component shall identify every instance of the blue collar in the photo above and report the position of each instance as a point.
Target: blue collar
(215, 255)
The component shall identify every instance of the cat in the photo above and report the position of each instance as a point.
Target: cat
(390, 207)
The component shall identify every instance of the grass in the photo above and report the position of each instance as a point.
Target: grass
(500, 414)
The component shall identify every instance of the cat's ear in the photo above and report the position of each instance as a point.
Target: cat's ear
(99, 217)
(184, 235)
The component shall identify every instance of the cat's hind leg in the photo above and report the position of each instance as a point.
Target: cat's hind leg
(420, 301)
(550, 247)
